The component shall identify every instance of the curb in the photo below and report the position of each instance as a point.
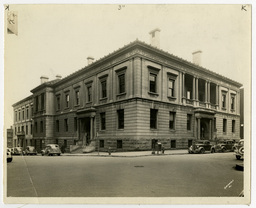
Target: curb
(148, 155)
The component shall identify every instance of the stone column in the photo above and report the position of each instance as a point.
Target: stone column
(198, 128)
(205, 92)
(194, 88)
(209, 92)
(197, 89)
(91, 128)
(183, 85)
(210, 128)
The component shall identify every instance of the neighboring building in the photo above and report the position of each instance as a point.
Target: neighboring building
(23, 111)
(134, 97)
(242, 113)
(10, 137)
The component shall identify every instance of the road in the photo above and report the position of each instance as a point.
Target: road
(152, 176)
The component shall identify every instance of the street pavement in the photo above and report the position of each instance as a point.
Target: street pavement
(125, 174)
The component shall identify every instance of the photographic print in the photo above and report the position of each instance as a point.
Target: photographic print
(130, 104)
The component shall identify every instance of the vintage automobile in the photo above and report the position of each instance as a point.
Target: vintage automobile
(51, 149)
(224, 145)
(239, 151)
(201, 146)
(9, 155)
(17, 151)
(30, 150)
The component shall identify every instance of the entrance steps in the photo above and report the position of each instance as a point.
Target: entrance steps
(90, 147)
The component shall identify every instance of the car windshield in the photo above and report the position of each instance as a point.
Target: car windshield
(54, 146)
(199, 142)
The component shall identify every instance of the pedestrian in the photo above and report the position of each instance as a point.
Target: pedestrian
(162, 149)
(109, 150)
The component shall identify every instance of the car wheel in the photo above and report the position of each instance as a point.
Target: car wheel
(224, 149)
(241, 150)
(202, 151)
(238, 157)
(59, 154)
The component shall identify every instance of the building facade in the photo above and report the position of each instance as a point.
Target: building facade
(132, 98)
(23, 125)
(9, 137)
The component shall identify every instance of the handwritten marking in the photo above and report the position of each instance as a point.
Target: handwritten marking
(229, 185)
(243, 8)
(7, 7)
(120, 7)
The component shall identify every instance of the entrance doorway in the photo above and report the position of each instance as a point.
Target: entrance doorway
(205, 129)
(85, 130)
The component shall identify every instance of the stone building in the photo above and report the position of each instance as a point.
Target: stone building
(23, 129)
(134, 97)
(9, 136)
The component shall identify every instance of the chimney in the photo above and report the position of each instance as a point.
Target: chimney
(44, 79)
(58, 76)
(155, 37)
(89, 60)
(197, 57)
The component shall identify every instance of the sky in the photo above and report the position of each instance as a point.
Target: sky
(57, 39)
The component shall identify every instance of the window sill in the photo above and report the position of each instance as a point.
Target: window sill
(121, 94)
(88, 102)
(103, 99)
(77, 105)
(171, 98)
(223, 108)
(172, 130)
(153, 94)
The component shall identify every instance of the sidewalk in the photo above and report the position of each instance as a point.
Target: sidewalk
(131, 154)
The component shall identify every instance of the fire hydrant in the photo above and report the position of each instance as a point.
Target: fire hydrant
(109, 150)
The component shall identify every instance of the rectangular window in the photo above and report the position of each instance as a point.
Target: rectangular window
(153, 118)
(173, 143)
(104, 89)
(66, 124)
(57, 125)
(36, 103)
(31, 128)
(101, 143)
(22, 129)
(233, 126)
(232, 103)
(224, 125)
(23, 115)
(119, 144)
(42, 101)
(172, 120)
(26, 129)
(15, 130)
(16, 116)
(189, 119)
(171, 88)
(35, 127)
(18, 129)
(19, 115)
(223, 100)
(89, 92)
(152, 81)
(121, 79)
(120, 114)
(75, 124)
(58, 102)
(214, 125)
(27, 112)
(67, 100)
(77, 97)
(103, 121)
(41, 126)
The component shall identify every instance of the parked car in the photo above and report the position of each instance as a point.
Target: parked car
(224, 145)
(30, 150)
(201, 146)
(51, 149)
(239, 151)
(17, 151)
(9, 155)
